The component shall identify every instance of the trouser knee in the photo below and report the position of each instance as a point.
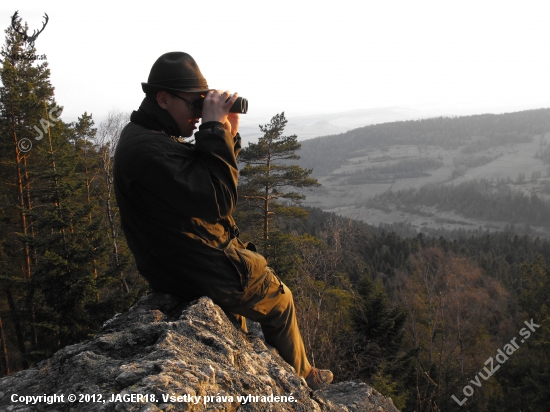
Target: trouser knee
(286, 301)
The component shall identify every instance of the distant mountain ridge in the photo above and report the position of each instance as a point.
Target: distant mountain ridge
(325, 153)
(311, 126)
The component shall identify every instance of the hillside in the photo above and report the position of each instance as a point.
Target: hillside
(381, 173)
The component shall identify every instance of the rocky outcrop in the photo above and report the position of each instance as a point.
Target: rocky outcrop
(162, 355)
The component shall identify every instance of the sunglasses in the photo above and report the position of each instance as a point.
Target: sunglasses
(193, 105)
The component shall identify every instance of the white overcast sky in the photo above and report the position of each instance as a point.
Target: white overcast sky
(301, 57)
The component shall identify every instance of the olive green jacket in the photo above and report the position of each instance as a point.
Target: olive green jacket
(176, 202)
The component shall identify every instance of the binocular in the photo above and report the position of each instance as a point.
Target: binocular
(240, 105)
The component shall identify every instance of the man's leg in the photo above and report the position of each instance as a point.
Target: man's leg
(279, 325)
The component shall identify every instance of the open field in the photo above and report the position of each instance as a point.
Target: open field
(515, 163)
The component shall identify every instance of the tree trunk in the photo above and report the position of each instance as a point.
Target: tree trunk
(4, 349)
(88, 200)
(21, 195)
(57, 199)
(24, 204)
(266, 205)
(17, 326)
(28, 205)
(114, 235)
(111, 218)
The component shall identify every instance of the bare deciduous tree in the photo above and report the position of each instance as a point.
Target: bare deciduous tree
(107, 137)
(323, 293)
(452, 305)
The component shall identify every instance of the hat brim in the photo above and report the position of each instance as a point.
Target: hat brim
(150, 88)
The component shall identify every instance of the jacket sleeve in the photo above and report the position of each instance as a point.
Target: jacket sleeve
(199, 183)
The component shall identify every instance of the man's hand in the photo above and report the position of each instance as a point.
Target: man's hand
(232, 123)
(216, 107)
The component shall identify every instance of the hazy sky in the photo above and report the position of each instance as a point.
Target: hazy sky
(301, 57)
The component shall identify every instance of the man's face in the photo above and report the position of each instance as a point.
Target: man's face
(185, 118)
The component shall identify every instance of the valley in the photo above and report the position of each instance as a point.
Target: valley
(359, 186)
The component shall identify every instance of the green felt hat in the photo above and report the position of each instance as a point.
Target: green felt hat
(175, 72)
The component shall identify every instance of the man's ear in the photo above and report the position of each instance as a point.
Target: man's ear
(162, 99)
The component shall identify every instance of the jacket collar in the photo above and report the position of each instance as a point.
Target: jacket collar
(151, 116)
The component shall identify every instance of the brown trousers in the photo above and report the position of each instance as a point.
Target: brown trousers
(277, 316)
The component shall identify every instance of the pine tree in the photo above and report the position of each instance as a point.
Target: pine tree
(526, 380)
(55, 278)
(25, 89)
(381, 325)
(268, 176)
(69, 244)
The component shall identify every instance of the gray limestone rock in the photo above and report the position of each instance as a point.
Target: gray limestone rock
(167, 355)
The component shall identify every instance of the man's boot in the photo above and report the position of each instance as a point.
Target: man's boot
(319, 378)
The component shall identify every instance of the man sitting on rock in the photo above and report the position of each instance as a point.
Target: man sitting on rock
(176, 200)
